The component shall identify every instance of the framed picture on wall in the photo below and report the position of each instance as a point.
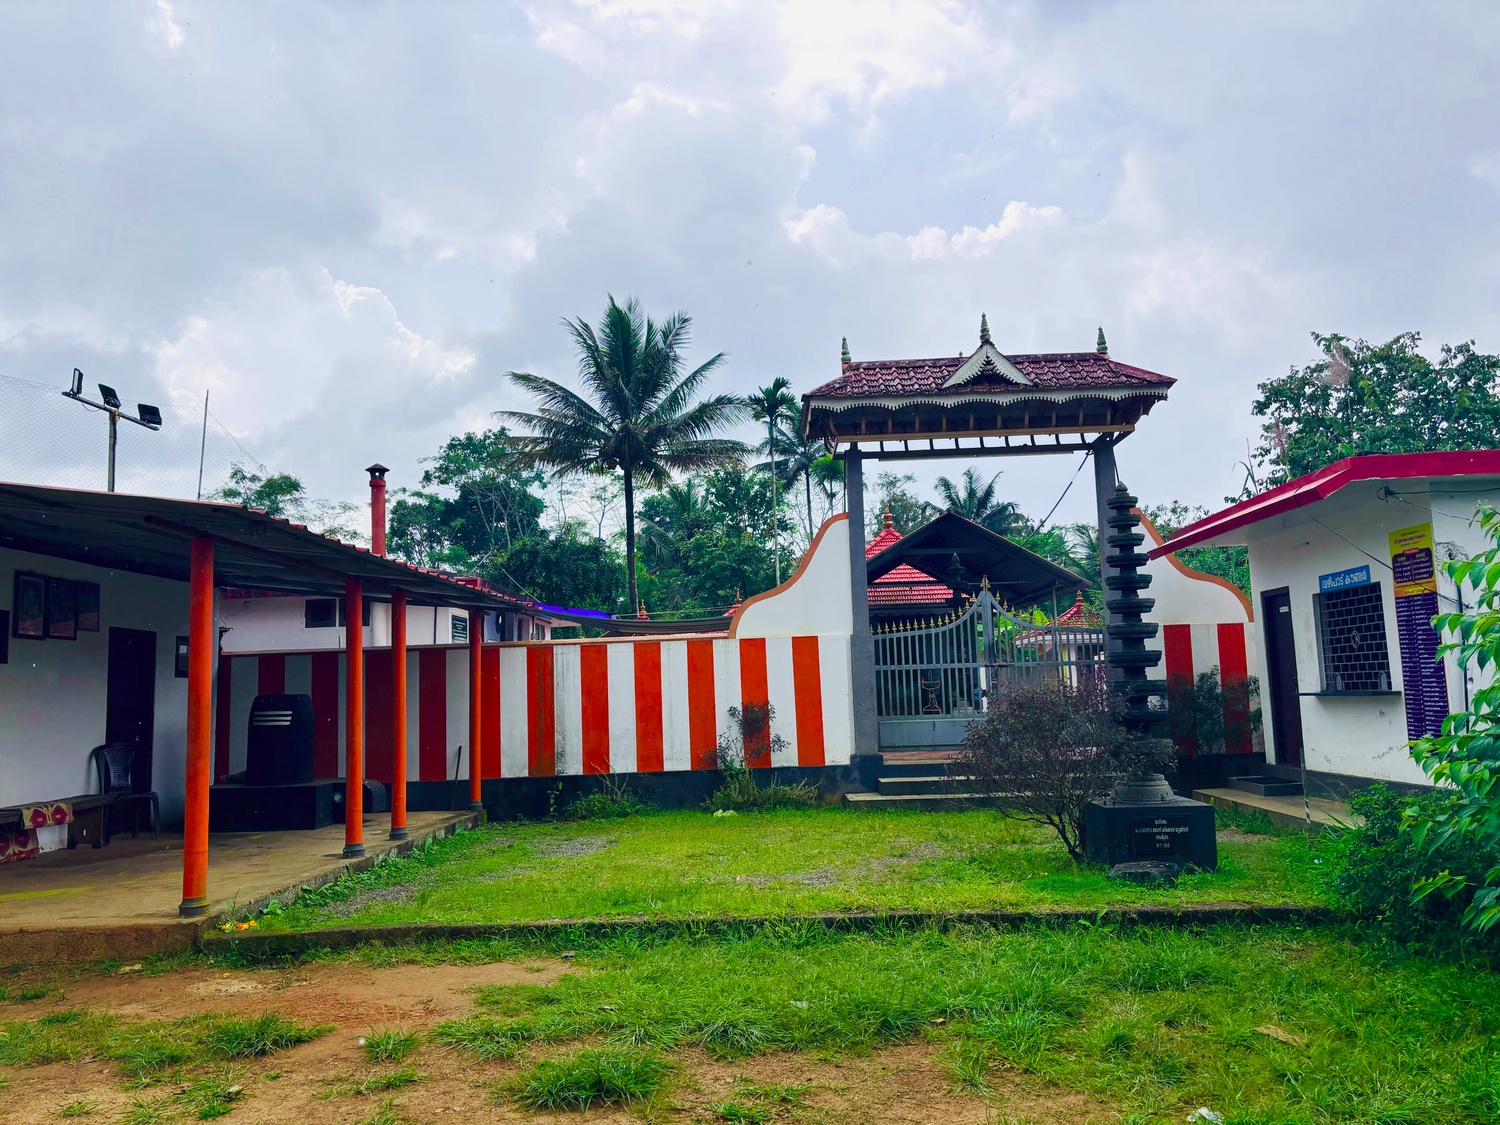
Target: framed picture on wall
(30, 606)
(88, 607)
(180, 658)
(62, 609)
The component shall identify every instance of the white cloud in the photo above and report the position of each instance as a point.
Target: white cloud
(866, 52)
(162, 26)
(813, 54)
(1485, 167)
(298, 362)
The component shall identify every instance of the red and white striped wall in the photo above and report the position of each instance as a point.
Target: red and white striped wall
(594, 707)
(1190, 650)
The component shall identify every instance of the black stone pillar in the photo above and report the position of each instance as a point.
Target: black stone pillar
(861, 645)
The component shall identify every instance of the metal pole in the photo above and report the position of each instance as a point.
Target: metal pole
(354, 719)
(398, 714)
(200, 708)
(114, 425)
(202, 445)
(476, 709)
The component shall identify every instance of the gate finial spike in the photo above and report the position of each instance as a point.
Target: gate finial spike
(984, 582)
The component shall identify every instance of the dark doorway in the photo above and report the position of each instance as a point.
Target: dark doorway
(1281, 667)
(130, 697)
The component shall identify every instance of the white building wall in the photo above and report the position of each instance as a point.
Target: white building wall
(1360, 736)
(278, 624)
(53, 692)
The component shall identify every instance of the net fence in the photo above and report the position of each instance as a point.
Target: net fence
(48, 439)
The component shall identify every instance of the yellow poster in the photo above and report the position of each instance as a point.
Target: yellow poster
(1411, 561)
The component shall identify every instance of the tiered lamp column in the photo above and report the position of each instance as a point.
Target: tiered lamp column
(1143, 830)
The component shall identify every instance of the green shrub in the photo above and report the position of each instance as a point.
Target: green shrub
(613, 800)
(739, 788)
(389, 1044)
(1375, 868)
(593, 1076)
(254, 1036)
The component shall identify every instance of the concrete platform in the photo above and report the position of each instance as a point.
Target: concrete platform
(1287, 811)
(121, 900)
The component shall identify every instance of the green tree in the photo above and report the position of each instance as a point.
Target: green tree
(473, 502)
(1464, 760)
(566, 567)
(1229, 563)
(770, 404)
(637, 416)
(976, 499)
(894, 492)
(283, 495)
(703, 537)
(1377, 398)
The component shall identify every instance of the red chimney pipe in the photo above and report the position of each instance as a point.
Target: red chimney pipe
(377, 473)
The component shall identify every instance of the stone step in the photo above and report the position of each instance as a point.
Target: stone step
(922, 802)
(1267, 786)
(910, 785)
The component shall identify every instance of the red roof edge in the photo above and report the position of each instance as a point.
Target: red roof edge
(1323, 483)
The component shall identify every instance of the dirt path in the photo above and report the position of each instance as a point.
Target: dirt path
(314, 1084)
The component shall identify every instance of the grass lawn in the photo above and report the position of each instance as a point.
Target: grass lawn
(1271, 1025)
(793, 861)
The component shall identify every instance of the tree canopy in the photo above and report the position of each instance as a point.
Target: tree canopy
(1376, 398)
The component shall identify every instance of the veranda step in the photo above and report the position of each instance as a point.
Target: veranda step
(915, 763)
(934, 784)
(922, 802)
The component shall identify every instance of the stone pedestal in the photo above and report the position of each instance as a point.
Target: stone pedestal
(1173, 830)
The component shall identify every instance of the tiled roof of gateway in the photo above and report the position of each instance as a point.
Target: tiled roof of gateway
(1061, 371)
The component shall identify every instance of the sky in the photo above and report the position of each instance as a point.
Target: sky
(348, 221)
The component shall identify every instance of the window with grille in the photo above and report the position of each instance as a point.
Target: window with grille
(1351, 635)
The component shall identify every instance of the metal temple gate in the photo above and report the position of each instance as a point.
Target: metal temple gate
(948, 667)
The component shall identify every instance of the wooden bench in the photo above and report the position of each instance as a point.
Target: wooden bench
(88, 823)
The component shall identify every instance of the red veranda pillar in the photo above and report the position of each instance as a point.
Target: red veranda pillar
(354, 719)
(200, 710)
(398, 714)
(476, 640)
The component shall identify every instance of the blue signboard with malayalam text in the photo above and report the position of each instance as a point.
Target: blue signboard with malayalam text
(1343, 579)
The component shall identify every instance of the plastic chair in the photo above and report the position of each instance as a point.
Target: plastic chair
(118, 766)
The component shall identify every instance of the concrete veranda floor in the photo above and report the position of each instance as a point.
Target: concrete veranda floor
(121, 900)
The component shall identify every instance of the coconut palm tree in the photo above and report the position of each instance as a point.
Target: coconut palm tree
(974, 498)
(798, 456)
(772, 404)
(637, 414)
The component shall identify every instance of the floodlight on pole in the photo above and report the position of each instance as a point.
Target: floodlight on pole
(146, 416)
